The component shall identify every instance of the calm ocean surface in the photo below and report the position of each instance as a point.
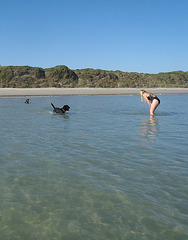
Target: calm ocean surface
(104, 171)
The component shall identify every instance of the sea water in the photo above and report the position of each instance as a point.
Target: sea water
(106, 170)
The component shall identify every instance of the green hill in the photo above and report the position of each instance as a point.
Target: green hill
(62, 76)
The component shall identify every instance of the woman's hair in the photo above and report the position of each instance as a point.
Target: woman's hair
(142, 93)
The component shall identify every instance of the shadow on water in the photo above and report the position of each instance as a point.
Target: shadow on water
(148, 129)
(169, 114)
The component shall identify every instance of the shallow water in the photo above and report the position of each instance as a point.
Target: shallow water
(105, 170)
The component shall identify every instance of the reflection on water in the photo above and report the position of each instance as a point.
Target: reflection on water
(148, 129)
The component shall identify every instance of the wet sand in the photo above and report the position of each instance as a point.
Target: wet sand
(16, 92)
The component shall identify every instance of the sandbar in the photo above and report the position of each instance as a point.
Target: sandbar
(19, 92)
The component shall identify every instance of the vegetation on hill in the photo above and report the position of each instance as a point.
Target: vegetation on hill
(62, 76)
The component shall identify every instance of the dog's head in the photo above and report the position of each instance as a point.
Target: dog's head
(66, 108)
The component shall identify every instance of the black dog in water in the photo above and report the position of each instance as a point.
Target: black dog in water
(60, 110)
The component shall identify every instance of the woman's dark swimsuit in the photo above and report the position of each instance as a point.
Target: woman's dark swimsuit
(152, 98)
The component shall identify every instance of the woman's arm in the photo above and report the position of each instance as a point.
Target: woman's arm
(146, 95)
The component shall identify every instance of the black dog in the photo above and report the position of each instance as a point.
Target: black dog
(60, 110)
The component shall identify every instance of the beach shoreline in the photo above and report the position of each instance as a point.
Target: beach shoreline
(24, 92)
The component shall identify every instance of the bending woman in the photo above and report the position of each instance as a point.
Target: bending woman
(152, 100)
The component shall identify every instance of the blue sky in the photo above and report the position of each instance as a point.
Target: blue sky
(148, 36)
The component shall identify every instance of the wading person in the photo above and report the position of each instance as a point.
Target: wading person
(152, 100)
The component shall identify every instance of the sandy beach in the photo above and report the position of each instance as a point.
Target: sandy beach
(15, 92)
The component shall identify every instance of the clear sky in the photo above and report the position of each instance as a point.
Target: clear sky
(148, 36)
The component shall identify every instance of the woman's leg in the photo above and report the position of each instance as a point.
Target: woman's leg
(154, 105)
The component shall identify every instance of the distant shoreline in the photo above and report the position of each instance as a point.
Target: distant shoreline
(26, 92)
